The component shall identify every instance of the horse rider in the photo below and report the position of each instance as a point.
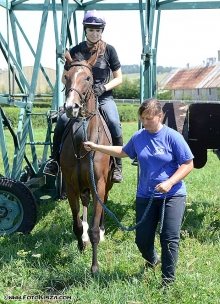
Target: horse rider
(107, 75)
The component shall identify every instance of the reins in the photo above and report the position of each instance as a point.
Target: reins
(110, 212)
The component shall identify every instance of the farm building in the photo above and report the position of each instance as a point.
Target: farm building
(200, 83)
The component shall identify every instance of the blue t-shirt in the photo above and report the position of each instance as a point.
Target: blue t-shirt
(159, 155)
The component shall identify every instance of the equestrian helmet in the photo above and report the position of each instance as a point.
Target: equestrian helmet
(94, 19)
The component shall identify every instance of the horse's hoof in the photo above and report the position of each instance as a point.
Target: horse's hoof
(83, 246)
(94, 270)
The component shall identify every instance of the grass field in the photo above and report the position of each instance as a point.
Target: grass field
(136, 76)
(47, 261)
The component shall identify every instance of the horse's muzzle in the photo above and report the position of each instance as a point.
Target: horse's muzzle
(72, 111)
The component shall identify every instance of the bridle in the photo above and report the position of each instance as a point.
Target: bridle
(83, 99)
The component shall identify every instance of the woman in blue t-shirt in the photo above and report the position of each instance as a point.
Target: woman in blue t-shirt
(165, 159)
(106, 63)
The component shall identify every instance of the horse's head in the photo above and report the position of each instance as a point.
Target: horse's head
(79, 82)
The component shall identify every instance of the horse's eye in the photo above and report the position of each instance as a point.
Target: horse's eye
(88, 78)
(65, 76)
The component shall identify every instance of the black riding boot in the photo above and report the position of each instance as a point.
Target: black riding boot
(52, 166)
(116, 176)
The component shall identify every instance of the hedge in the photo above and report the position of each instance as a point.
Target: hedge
(127, 113)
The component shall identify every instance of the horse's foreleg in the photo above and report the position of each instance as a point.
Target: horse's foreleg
(85, 197)
(78, 231)
(73, 199)
(85, 236)
(102, 220)
(94, 267)
(94, 232)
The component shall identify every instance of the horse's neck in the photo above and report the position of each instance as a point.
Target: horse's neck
(92, 105)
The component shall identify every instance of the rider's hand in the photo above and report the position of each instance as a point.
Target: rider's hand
(99, 90)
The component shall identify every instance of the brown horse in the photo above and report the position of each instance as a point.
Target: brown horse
(85, 123)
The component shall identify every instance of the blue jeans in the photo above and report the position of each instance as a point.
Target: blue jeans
(113, 120)
(109, 105)
(169, 237)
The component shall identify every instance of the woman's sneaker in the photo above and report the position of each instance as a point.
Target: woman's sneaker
(153, 265)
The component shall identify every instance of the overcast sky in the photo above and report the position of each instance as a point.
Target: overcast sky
(186, 36)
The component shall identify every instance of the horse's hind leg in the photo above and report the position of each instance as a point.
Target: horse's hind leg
(73, 199)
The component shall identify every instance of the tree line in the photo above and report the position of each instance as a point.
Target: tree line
(130, 89)
(135, 68)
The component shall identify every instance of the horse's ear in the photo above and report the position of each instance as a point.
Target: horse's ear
(67, 56)
(92, 60)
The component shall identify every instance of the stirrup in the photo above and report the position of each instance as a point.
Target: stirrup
(116, 175)
(51, 168)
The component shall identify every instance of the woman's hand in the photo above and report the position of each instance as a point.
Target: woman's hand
(164, 187)
(89, 146)
(179, 175)
(115, 151)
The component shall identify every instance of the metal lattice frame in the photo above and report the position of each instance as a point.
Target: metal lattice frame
(149, 12)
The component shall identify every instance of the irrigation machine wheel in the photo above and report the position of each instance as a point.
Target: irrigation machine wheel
(18, 208)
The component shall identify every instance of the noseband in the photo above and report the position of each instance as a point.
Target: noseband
(85, 99)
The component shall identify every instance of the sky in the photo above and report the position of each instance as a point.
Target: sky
(185, 36)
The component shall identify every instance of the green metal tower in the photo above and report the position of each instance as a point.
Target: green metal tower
(63, 15)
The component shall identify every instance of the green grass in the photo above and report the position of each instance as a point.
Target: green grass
(160, 77)
(47, 261)
(132, 77)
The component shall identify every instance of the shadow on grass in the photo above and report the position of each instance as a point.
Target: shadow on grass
(202, 221)
(50, 236)
(102, 279)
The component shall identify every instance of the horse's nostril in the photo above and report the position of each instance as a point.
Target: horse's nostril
(71, 107)
(76, 106)
(72, 110)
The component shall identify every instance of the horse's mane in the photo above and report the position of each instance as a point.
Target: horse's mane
(78, 57)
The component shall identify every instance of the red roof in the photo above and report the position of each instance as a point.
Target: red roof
(198, 77)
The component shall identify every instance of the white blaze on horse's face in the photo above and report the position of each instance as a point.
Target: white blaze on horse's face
(75, 91)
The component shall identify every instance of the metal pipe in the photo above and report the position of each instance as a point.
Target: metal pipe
(8, 48)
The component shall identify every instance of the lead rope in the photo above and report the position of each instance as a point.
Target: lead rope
(110, 212)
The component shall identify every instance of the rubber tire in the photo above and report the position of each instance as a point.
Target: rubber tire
(17, 192)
